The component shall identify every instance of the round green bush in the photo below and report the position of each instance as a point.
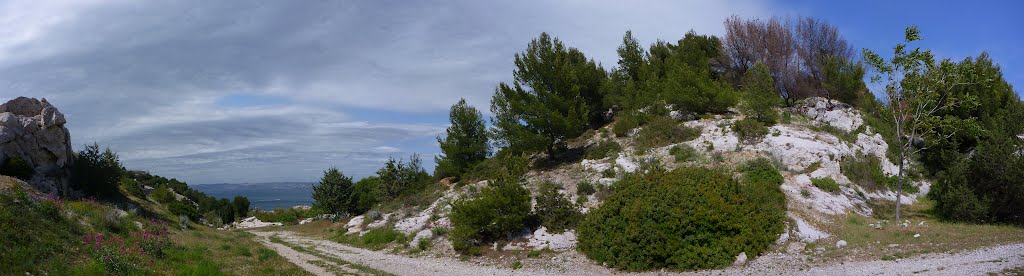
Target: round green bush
(688, 218)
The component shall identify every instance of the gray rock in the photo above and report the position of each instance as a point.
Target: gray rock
(34, 131)
(740, 259)
(840, 244)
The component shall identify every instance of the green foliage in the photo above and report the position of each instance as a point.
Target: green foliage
(750, 130)
(381, 236)
(866, 171)
(662, 131)
(162, 195)
(603, 149)
(333, 195)
(843, 80)
(687, 218)
(624, 124)
(684, 153)
(759, 98)
(825, 184)
(988, 187)
(181, 209)
(97, 173)
(365, 194)
(241, 205)
(131, 186)
(502, 165)
(16, 167)
(397, 178)
(555, 211)
(555, 96)
(584, 188)
(284, 215)
(497, 212)
(466, 143)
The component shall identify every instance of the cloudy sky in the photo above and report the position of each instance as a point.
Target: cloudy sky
(261, 91)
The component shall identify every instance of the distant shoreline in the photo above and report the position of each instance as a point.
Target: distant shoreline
(263, 196)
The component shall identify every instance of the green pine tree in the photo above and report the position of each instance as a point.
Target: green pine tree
(759, 97)
(466, 143)
(333, 195)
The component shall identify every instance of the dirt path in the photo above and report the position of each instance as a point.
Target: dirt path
(981, 261)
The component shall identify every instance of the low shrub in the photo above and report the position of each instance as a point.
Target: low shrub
(131, 187)
(625, 124)
(749, 130)
(585, 188)
(684, 153)
(662, 131)
(603, 150)
(14, 166)
(500, 210)
(825, 184)
(181, 209)
(866, 171)
(555, 211)
(688, 218)
(162, 195)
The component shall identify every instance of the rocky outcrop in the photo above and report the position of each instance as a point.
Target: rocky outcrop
(34, 131)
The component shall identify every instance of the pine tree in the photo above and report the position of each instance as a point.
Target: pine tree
(333, 195)
(553, 98)
(759, 95)
(466, 143)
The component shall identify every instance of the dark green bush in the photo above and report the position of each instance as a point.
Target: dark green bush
(749, 130)
(181, 209)
(688, 218)
(662, 131)
(162, 195)
(603, 149)
(499, 211)
(866, 171)
(585, 188)
(988, 187)
(131, 187)
(398, 178)
(684, 153)
(555, 211)
(97, 173)
(955, 198)
(365, 195)
(16, 167)
(624, 124)
(825, 184)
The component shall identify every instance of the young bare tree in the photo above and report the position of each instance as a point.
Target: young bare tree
(917, 90)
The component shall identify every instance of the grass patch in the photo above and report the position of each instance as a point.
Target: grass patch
(825, 184)
(663, 131)
(336, 261)
(603, 150)
(374, 239)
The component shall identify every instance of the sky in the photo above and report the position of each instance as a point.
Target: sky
(270, 91)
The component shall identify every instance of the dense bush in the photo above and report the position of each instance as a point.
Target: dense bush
(162, 195)
(241, 205)
(825, 184)
(687, 218)
(16, 167)
(97, 173)
(365, 194)
(759, 98)
(555, 211)
(585, 188)
(988, 187)
(625, 124)
(866, 171)
(684, 153)
(131, 186)
(662, 131)
(603, 149)
(398, 178)
(497, 212)
(749, 130)
(181, 209)
(465, 144)
(333, 195)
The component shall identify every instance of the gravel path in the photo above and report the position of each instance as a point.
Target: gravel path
(981, 261)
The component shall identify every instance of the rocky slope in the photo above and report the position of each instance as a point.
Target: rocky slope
(34, 131)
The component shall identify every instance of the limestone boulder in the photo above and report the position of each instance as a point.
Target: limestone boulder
(34, 131)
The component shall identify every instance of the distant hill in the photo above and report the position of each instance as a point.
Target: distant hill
(264, 196)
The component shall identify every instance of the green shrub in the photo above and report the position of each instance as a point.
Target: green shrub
(684, 153)
(688, 218)
(603, 149)
(162, 195)
(749, 130)
(16, 167)
(333, 195)
(365, 195)
(180, 209)
(423, 244)
(97, 173)
(499, 211)
(825, 184)
(955, 199)
(378, 238)
(131, 186)
(584, 188)
(662, 131)
(866, 171)
(625, 124)
(555, 211)
(987, 187)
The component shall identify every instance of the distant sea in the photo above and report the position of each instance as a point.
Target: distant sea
(263, 196)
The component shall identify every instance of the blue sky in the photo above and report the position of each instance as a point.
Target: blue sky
(232, 91)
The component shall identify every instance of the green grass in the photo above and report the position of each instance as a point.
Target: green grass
(684, 153)
(336, 261)
(374, 239)
(825, 184)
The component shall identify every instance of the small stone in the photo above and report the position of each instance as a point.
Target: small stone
(840, 244)
(917, 235)
(740, 259)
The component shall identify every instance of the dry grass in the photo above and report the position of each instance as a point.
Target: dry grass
(203, 251)
(893, 241)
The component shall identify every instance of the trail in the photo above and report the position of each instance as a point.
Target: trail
(974, 262)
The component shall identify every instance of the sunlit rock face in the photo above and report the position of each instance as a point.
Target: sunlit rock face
(34, 131)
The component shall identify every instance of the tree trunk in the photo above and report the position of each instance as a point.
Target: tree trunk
(899, 183)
